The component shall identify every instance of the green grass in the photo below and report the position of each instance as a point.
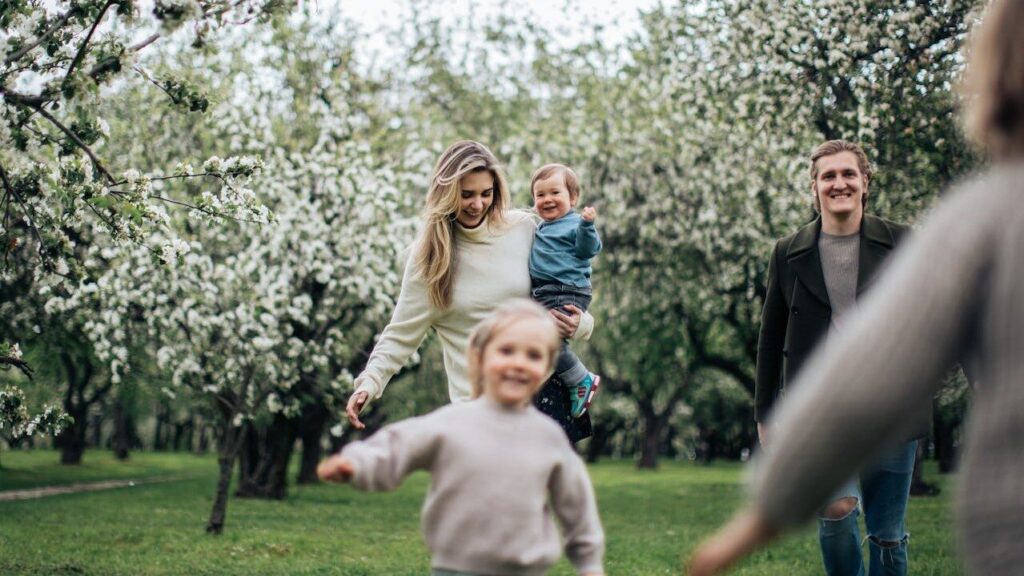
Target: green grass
(652, 519)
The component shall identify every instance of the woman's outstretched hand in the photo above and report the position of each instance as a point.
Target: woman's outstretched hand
(337, 468)
(745, 533)
(355, 405)
(567, 323)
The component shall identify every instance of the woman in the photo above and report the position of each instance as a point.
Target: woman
(957, 288)
(471, 256)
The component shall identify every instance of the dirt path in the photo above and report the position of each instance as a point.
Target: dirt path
(31, 493)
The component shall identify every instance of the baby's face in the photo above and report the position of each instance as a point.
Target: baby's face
(551, 197)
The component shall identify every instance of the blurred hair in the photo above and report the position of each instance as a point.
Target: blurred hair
(502, 317)
(572, 182)
(994, 81)
(831, 148)
(435, 256)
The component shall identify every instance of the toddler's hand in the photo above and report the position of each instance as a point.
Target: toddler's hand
(590, 213)
(337, 468)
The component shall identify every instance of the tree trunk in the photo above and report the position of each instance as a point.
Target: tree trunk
(96, 427)
(650, 436)
(263, 473)
(311, 431)
(71, 440)
(204, 439)
(163, 425)
(598, 442)
(230, 440)
(121, 440)
(179, 436)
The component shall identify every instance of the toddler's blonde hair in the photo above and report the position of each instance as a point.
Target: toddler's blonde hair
(503, 317)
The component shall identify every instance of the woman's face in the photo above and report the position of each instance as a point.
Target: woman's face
(477, 195)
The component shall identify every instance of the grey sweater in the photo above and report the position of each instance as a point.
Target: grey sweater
(493, 470)
(955, 290)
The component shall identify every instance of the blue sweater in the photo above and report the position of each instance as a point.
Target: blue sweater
(562, 250)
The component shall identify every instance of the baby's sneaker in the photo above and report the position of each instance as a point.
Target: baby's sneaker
(584, 395)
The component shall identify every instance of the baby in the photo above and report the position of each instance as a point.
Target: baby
(499, 467)
(560, 266)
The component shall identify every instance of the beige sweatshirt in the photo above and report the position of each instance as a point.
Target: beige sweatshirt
(498, 474)
(492, 266)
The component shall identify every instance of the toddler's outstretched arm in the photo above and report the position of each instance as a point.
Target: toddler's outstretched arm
(336, 468)
(588, 242)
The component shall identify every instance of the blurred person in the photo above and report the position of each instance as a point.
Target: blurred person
(956, 290)
(815, 277)
(499, 468)
(560, 266)
(471, 256)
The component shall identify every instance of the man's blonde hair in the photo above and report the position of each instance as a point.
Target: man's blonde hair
(994, 81)
(504, 316)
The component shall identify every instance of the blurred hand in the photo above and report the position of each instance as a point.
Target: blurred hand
(590, 213)
(762, 434)
(355, 405)
(741, 536)
(567, 323)
(337, 468)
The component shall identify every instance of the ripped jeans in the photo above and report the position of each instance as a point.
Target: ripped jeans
(882, 492)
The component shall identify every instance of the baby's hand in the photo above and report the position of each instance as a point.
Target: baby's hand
(337, 468)
(590, 213)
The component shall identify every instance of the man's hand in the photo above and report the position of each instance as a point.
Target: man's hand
(744, 534)
(337, 468)
(590, 213)
(355, 405)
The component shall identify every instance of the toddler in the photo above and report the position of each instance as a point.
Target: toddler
(496, 462)
(560, 266)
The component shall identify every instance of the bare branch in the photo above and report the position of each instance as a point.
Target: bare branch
(145, 42)
(18, 363)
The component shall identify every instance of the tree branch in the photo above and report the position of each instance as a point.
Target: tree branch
(78, 142)
(46, 34)
(9, 189)
(17, 363)
(85, 43)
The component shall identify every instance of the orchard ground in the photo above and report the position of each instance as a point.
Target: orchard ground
(653, 521)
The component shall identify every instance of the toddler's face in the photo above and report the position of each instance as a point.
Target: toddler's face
(551, 197)
(516, 362)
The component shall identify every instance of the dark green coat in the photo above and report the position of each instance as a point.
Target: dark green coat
(796, 313)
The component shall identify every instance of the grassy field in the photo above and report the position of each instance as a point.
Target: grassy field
(652, 519)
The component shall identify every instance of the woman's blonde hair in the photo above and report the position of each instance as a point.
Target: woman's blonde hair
(435, 257)
(504, 316)
(994, 81)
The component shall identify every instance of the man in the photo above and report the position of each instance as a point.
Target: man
(814, 279)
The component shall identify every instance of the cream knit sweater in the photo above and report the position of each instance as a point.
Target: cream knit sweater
(492, 266)
(499, 477)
